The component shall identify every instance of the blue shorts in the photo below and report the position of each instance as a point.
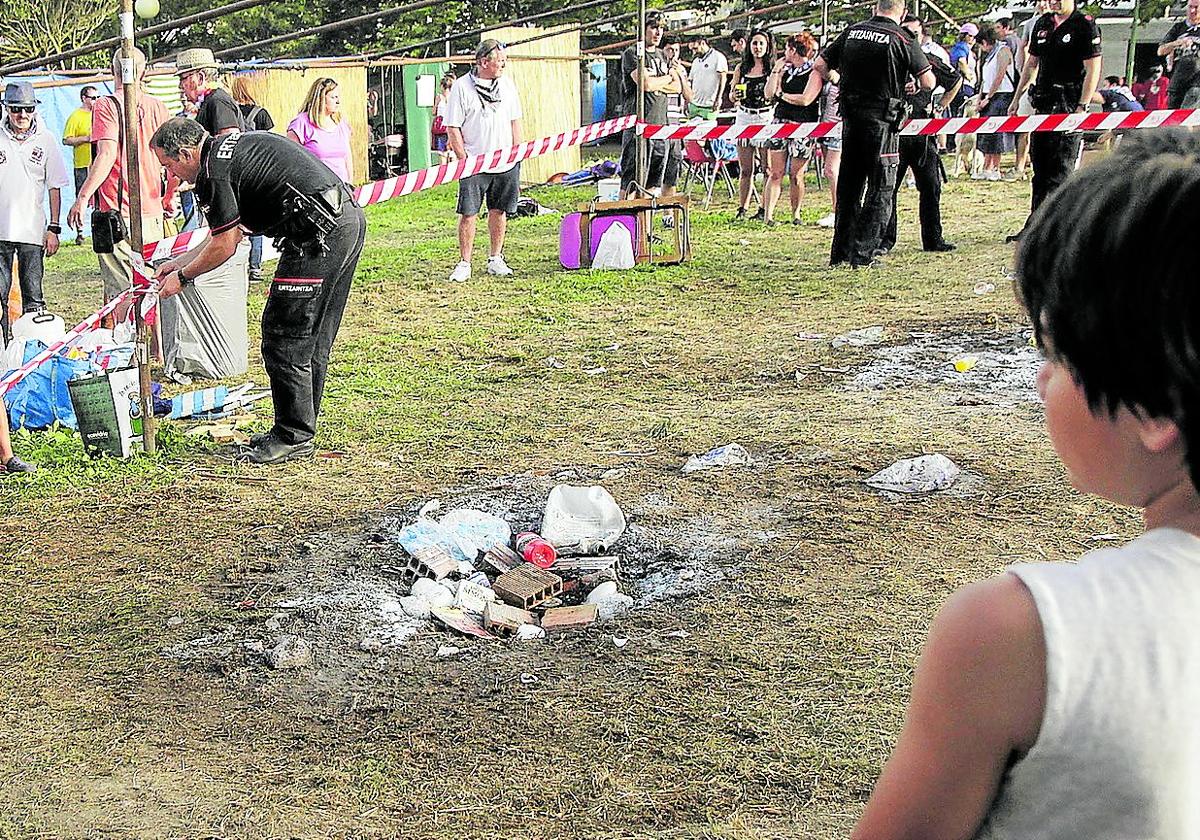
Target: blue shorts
(501, 190)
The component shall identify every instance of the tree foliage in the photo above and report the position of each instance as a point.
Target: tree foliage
(30, 28)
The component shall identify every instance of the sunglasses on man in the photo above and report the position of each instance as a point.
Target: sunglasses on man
(20, 109)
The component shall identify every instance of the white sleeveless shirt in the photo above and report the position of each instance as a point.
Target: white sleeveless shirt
(1118, 753)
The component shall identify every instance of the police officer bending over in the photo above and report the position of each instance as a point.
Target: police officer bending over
(875, 58)
(1064, 69)
(263, 183)
(920, 152)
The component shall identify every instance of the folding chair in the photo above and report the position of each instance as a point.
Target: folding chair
(705, 168)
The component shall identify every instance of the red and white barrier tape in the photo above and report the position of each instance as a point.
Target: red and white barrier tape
(371, 193)
(424, 179)
(1100, 121)
(87, 324)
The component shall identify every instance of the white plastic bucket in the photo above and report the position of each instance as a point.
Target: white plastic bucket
(609, 189)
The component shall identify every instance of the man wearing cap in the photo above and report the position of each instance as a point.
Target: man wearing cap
(661, 79)
(30, 164)
(263, 183)
(108, 177)
(1063, 67)
(197, 72)
(483, 114)
(77, 134)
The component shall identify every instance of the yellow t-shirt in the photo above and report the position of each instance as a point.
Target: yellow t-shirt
(79, 124)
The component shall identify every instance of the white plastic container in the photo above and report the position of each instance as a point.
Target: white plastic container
(39, 326)
(609, 189)
(582, 520)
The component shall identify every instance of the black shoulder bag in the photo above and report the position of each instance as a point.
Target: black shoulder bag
(108, 228)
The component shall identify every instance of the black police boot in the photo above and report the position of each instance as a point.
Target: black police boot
(272, 450)
(943, 246)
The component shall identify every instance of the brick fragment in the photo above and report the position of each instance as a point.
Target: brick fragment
(502, 619)
(569, 618)
(527, 586)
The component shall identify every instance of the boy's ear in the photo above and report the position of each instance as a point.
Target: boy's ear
(1157, 434)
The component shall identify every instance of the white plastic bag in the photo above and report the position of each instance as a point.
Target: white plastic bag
(615, 249)
(581, 520)
(40, 326)
(923, 474)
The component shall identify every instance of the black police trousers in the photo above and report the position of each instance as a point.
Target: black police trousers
(920, 155)
(1053, 155)
(870, 158)
(303, 312)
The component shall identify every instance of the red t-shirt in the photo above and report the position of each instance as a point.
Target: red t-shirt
(151, 114)
(1152, 94)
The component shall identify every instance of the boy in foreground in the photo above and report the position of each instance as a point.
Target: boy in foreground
(1059, 699)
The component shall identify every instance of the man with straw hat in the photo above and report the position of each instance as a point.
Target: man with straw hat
(197, 70)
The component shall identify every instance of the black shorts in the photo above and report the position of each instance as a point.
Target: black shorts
(502, 190)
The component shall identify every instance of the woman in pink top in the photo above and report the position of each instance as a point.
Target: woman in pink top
(319, 127)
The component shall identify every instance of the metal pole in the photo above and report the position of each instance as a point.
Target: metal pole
(642, 163)
(129, 86)
(824, 23)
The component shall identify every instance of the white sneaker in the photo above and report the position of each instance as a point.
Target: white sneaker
(827, 221)
(461, 273)
(978, 176)
(497, 266)
(992, 175)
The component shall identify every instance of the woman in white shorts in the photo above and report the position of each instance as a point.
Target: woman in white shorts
(788, 80)
(749, 92)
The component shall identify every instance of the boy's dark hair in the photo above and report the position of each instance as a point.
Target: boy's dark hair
(1113, 80)
(738, 34)
(668, 38)
(1124, 317)
(1006, 22)
(654, 18)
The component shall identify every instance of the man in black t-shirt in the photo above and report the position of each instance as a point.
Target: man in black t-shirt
(197, 72)
(660, 80)
(1182, 44)
(1063, 66)
(920, 153)
(875, 59)
(263, 183)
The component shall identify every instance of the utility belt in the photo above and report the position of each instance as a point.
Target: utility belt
(896, 113)
(308, 218)
(1055, 98)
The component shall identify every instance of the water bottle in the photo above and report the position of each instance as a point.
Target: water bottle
(536, 550)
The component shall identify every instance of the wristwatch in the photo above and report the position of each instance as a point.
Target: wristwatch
(184, 280)
(55, 229)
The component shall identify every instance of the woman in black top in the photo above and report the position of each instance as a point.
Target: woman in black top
(256, 118)
(786, 83)
(749, 92)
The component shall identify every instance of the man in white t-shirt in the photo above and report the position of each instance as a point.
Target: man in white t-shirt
(30, 163)
(483, 113)
(707, 78)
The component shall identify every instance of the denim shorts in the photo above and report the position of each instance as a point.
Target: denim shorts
(501, 190)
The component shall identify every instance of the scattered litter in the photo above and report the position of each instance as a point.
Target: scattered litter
(464, 623)
(553, 362)
(472, 597)
(504, 619)
(603, 591)
(620, 641)
(273, 625)
(290, 652)
(744, 242)
(432, 593)
(582, 520)
(527, 586)
(923, 474)
(965, 363)
(826, 369)
(536, 550)
(810, 336)
(678, 634)
(417, 607)
(859, 338)
(528, 679)
(429, 509)
(446, 651)
(729, 455)
(596, 371)
(175, 621)
(612, 606)
(984, 288)
(615, 474)
(529, 632)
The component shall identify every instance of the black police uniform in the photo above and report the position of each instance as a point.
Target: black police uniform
(1061, 52)
(270, 185)
(921, 155)
(874, 58)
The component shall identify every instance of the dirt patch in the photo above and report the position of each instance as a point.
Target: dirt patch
(1001, 368)
(343, 594)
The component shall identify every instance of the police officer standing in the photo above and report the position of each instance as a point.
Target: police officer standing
(263, 183)
(875, 58)
(1064, 68)
(920, 153)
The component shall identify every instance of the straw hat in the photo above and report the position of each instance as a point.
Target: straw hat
(198, 58)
